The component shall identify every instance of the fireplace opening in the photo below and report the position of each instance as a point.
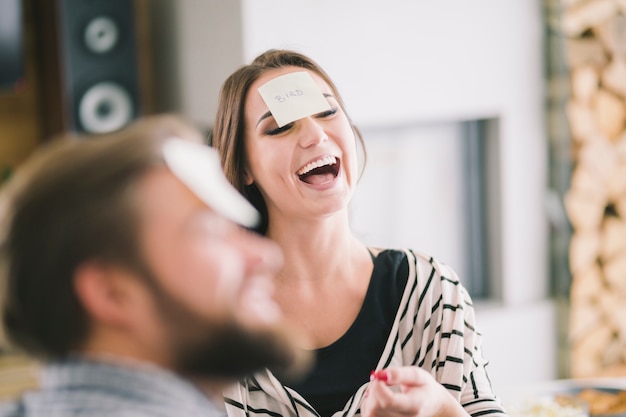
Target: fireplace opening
(434, 188)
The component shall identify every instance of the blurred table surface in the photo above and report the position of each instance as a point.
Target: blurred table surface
(515, 394)
(17, 374)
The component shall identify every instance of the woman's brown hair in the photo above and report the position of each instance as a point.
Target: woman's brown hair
(229, 128)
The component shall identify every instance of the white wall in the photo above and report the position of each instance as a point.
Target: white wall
(403, 61)
(196, 45)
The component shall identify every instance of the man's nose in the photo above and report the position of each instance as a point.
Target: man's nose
(311, 132)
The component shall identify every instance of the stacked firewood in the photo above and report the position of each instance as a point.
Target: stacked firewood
(595, 48)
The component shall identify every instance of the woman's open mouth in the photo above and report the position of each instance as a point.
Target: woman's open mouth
(320, 171)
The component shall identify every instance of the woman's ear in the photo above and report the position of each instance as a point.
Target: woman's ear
(106, 293)
(248, 177)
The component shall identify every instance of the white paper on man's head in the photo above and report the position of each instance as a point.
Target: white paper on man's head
(198, 166)
(293, 96)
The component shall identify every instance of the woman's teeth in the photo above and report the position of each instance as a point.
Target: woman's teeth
(327, 160)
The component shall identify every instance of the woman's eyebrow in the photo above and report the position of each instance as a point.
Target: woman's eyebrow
(264, 116)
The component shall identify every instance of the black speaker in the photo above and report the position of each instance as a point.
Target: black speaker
(11, 44)
(90, 65)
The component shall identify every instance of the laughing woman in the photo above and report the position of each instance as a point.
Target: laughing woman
(393, 330)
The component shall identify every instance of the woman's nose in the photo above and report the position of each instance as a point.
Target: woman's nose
(311, 132)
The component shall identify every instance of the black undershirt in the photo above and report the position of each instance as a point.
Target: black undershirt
(342, 367)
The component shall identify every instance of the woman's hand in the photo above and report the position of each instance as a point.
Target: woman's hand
(408, 392)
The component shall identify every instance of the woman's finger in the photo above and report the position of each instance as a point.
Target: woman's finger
(385, 401)
(407, 375)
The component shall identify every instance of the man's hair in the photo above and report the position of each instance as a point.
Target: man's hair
(70, 203)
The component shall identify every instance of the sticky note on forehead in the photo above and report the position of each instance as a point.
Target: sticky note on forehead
(293, 96)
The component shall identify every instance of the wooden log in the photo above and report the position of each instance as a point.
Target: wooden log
(610, 306)
(612, 34)
(620, 147)
(614, 75)
(576, 20)
(616, 184)
(615, 273)
(586, 51)
(620, 206)
(622, 338)
(614, 311)
(583, 365)
(589, 181)
(615, 371)
(569, 3)
(585, 211)
(609, 114)
(587, 352)
(584, 250)
(587, 286)
(612, 354)
(599, 156)
(585, 81)
(613, 239)
(583, 318)
(581, 121)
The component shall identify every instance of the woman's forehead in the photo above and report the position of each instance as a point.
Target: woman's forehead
(277, 72)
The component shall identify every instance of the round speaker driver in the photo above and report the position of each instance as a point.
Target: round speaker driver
(105, 107)
(101, 34)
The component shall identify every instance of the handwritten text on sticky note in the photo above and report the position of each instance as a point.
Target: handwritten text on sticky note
(293, 96)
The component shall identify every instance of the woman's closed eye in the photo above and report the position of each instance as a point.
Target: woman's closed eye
(279, 130)
(326, 113)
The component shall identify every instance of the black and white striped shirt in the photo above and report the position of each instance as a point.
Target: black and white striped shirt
(433, 328)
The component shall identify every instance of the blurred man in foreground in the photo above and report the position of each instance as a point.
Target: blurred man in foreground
(126, 273)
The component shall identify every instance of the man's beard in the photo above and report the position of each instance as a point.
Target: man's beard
(232, 352)
(225, 349)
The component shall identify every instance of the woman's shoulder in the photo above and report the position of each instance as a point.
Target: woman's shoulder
(420, 275)
(416, 256)
(391, 273)
(385, 252)
(390, 261)
(420, 263)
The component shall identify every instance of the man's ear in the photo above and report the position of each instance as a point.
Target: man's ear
(105, 292)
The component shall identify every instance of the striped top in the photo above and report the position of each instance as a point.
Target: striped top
(434, 328)
(81, 387)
